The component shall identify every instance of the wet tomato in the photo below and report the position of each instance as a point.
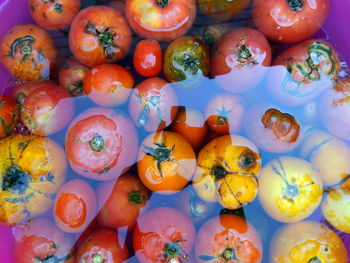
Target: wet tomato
(9, 113)
(227, 170)
(108, 84)
(302, 72)
(224, 113)
(162, 20)
(211, 33)
(166, 162)
(128, 195)
(153, 104)
(240, 59)
(101, 144)
(47, 110)
(148, 58)
(32, 170)
(99, 34)
(228, 238)
(75, 206)
(222, 9)
(307, 241)
(290, 190)
(163, 235)
(53, 14)
(102, 246)
(27, 52)
(289, 21)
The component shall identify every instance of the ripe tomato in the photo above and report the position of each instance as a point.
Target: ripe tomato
(123, 202)
(302, 72)
(226, 171)
(99, 34)
(228, 238)
(224, 113)
(108, 84)
(47, 110)
(148, 58)
(289, 21)
(166, 162)
(21, 91)
(101, 144)
(307, 241)
(162, 20)
(102, 246)
(9, 113)
(222, 9)
(240, 59)
(163, 235)
(75, 206)
(290, 190)
(71, 76)
(53, 14)
(153, 104)
(27, 52)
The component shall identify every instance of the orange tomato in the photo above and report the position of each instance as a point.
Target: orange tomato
(9, 113)
(148, 58)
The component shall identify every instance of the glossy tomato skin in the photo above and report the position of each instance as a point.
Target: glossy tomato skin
(153, 104)
(289, 21)
(9, 113)
(122, 202)
(160, 20)
(21, 91)
(240, 59)
(99, 34)
(222, 9)
(228, 238)
(163, 234)
(27, 52)
(101, 144)
(108, 84)
(147, 58)
(53, 15)
(47, 110)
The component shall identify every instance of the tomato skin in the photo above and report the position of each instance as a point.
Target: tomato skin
(228, 238)
(53, 15)
(277, 20)
(240, 59)
(109, 25)
(9, 113)
(160, 230)
(222, 9)
(148, 58)
(36, 45)
(21, 91)
(162, 21)
(129, 195)
(101, 144)
(108, 84)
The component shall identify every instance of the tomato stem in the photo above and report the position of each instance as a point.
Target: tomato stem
(97, 143)
(219, 172)
(58, 7)
(296, 5)
(24, 44)
(247, 160)
(78, 88)
(229, 255)
(16, 179)
(136, 197)
(314, 260)
(162, 3)
(189, 62)
(174, 249)
(244, 52)
(221, 120)
(97, 258)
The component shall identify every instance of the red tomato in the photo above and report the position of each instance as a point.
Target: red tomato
(240, 59)
(102, 246)
(101, 144)
(75, 206)
(228, 238)
(21, 91)
(163, 20)
(108, 84)
(128, 195)
(47, 110)
(148, 58)
(99, 34)
(53, 14)
(289, 21)
(153, 104)
(9, 113)
(163, 235)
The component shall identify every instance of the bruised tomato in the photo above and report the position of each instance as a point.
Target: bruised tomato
(101, 144)
(99, 34)
(222, 9)
(148, 58)
(27, 52)
(9, 113)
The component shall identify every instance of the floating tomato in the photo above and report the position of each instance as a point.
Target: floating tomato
(222, 9)
(148, 58)
(9, 113)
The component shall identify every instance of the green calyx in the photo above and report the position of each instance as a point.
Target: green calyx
(135, 197)
(97, 143)
(174, 249)
(162, 3)
(188, 63)
(244, 52)
(296, 5)
(229, 255)
(219, 172)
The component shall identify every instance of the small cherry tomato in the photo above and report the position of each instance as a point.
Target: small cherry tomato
(108, 84)
(289, 21)
(9, 113)
(222, 9)
(148, 58)
(53, 14)
(240, 59)
(27, 52)
(99, 34)
(47, 110)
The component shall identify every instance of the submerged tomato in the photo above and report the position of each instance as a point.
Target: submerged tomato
(148, 58)
(21, 91)
(222, 9)
(9, 113)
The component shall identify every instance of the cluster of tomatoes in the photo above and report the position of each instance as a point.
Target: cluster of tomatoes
(175, 113)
